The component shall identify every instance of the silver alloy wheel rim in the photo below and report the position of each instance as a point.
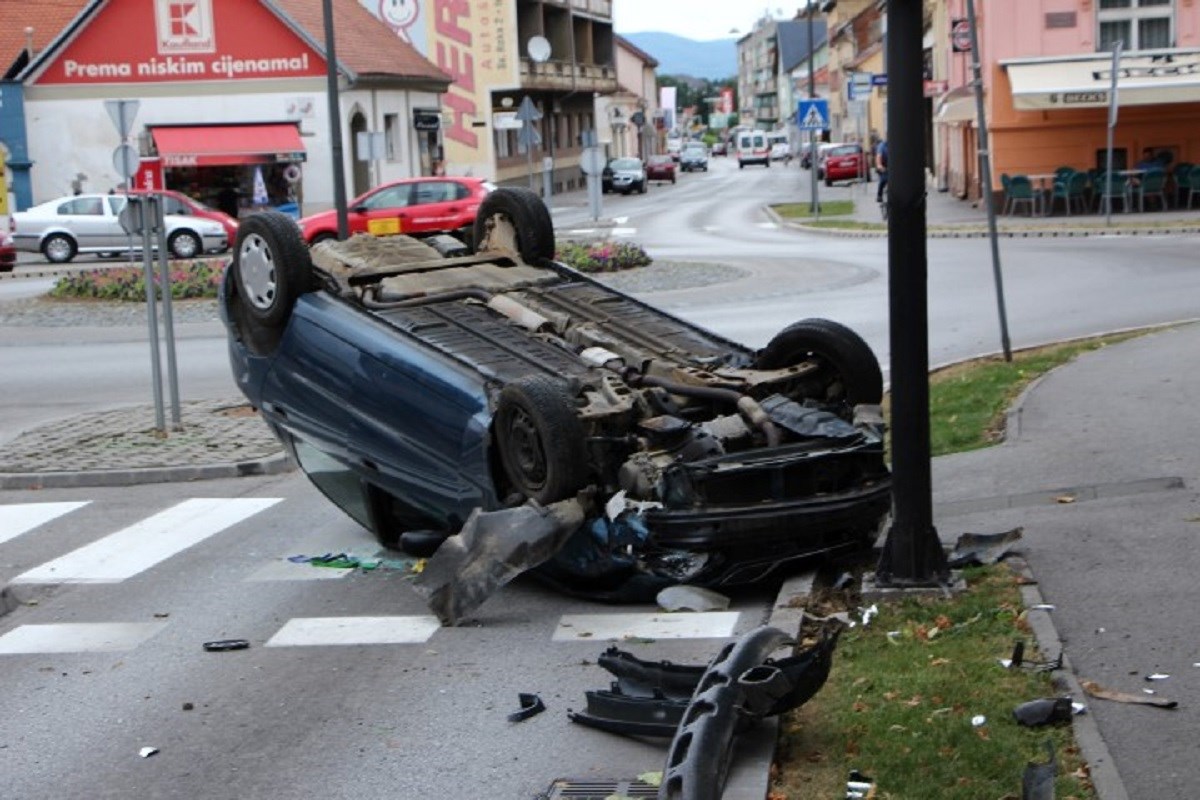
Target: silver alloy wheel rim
(256, 267)
(58, 249)
(185, 245)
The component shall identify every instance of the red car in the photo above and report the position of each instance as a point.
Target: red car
(412, 206)
(182, 205)
(660, 168)
(8, 253)
(844, 163)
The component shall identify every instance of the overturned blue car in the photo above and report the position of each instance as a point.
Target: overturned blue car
(503, 413)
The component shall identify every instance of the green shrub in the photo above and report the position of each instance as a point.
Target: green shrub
(201, 278)
(601, 256)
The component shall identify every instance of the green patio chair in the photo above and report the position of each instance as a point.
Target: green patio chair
(1152, 184)
(1072, 191)
(1020, 190)
(1193, 184)
(1106, 192)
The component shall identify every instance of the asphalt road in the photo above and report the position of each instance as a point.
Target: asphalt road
(423, 715)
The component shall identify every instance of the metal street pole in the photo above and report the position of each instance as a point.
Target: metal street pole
(912, 555)
(335, 122)
(1112, 125)
(815, 206)
(985, 172)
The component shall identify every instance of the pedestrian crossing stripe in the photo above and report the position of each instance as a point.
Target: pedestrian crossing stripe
(78, 637)
(324, 631)
(18, 519)
(134, 549)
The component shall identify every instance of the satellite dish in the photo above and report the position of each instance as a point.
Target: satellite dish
(538, 48)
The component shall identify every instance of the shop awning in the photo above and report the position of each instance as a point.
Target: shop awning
(958, 105)
(1051, 83)
(217, 145)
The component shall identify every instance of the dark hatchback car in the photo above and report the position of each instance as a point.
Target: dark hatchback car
(518, 415)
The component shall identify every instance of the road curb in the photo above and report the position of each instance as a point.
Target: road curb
(271, 465)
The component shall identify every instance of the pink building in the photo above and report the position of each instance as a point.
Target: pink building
(1047, 70)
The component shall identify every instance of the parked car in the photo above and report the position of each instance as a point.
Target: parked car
(545, 420)
(660, 168)
(8, 253)
(752, 148)
(626, 175)
(693, 156)
(182, 205)
(412, 206)
(88, 223)
(845, 162)
(822, 149)
(719, 148)
(781, 151)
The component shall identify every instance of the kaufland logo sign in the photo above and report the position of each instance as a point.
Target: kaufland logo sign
(184, 26)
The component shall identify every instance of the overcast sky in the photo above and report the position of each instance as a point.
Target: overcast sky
(701, 20)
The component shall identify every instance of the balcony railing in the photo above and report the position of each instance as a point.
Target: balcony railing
(555, 75)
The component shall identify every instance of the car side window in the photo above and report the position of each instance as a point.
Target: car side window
(173, 205)
(83, 206)
(391, 197)
(434, 192)
(116, 202)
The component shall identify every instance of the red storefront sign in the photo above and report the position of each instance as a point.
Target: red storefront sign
(164, 41)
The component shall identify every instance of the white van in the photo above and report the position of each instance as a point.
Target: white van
(753, 148)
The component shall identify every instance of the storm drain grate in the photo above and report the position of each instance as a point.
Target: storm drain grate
(572, 789)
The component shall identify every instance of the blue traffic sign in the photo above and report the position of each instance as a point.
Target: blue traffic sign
(812, 115)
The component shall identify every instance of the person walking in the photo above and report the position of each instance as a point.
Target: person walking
(881, 166)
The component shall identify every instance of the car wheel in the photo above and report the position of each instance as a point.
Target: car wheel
(741, 165)
(58, 248)
(517, 220)
(184, 244)
(271, 267)
(829, 181)
(323, 236)
(672, 179)
(848, 372)
(540, 439)
(642, 187)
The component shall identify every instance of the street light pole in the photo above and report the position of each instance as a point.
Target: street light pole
(825, 7)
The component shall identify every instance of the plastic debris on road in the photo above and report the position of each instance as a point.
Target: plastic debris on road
(1044, 711)
(221, 645)
(531, 705)
(982, 548)
(146, 752)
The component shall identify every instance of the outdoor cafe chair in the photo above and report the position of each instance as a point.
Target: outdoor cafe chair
(1118, 190)
(1152, 184)
(1193, 184)
(1072, 191)
(1020, 190)
(1179, 175)
(1006, 182)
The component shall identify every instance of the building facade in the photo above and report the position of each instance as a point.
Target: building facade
(225, 94)
(1047, 69)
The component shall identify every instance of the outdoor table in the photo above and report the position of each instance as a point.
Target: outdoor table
(1044, 181)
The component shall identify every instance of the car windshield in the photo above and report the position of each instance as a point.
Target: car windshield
(626, 163)
(694, 148)
(846, 150)
(661, 160)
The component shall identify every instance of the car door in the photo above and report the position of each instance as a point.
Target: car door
(88, 221)
(384, 213)
(438, 206)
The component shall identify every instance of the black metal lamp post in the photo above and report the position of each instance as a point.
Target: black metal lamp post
(912, 555)
(335, 122)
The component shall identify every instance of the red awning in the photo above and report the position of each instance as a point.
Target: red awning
(214, 145)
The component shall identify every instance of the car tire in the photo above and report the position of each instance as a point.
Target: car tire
(849, 372)
(515, 219)
(271, 267)
(642, 187)
(672, 179)
(540, 439)
(829, 181)
(184, 244)
(58, 248)
(741, 165)
(323, 236)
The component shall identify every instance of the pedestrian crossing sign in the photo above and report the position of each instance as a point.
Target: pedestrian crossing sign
(812, 115)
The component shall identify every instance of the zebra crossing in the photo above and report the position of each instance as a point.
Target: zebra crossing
(164, 534)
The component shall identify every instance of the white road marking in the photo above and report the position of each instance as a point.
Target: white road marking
(18, 519)
(78, 637)
(134, 549)
(603, 627)
(624, 231)
(768, 225)
(316, 631)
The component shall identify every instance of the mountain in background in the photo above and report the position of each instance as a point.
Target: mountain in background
(714, 60)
